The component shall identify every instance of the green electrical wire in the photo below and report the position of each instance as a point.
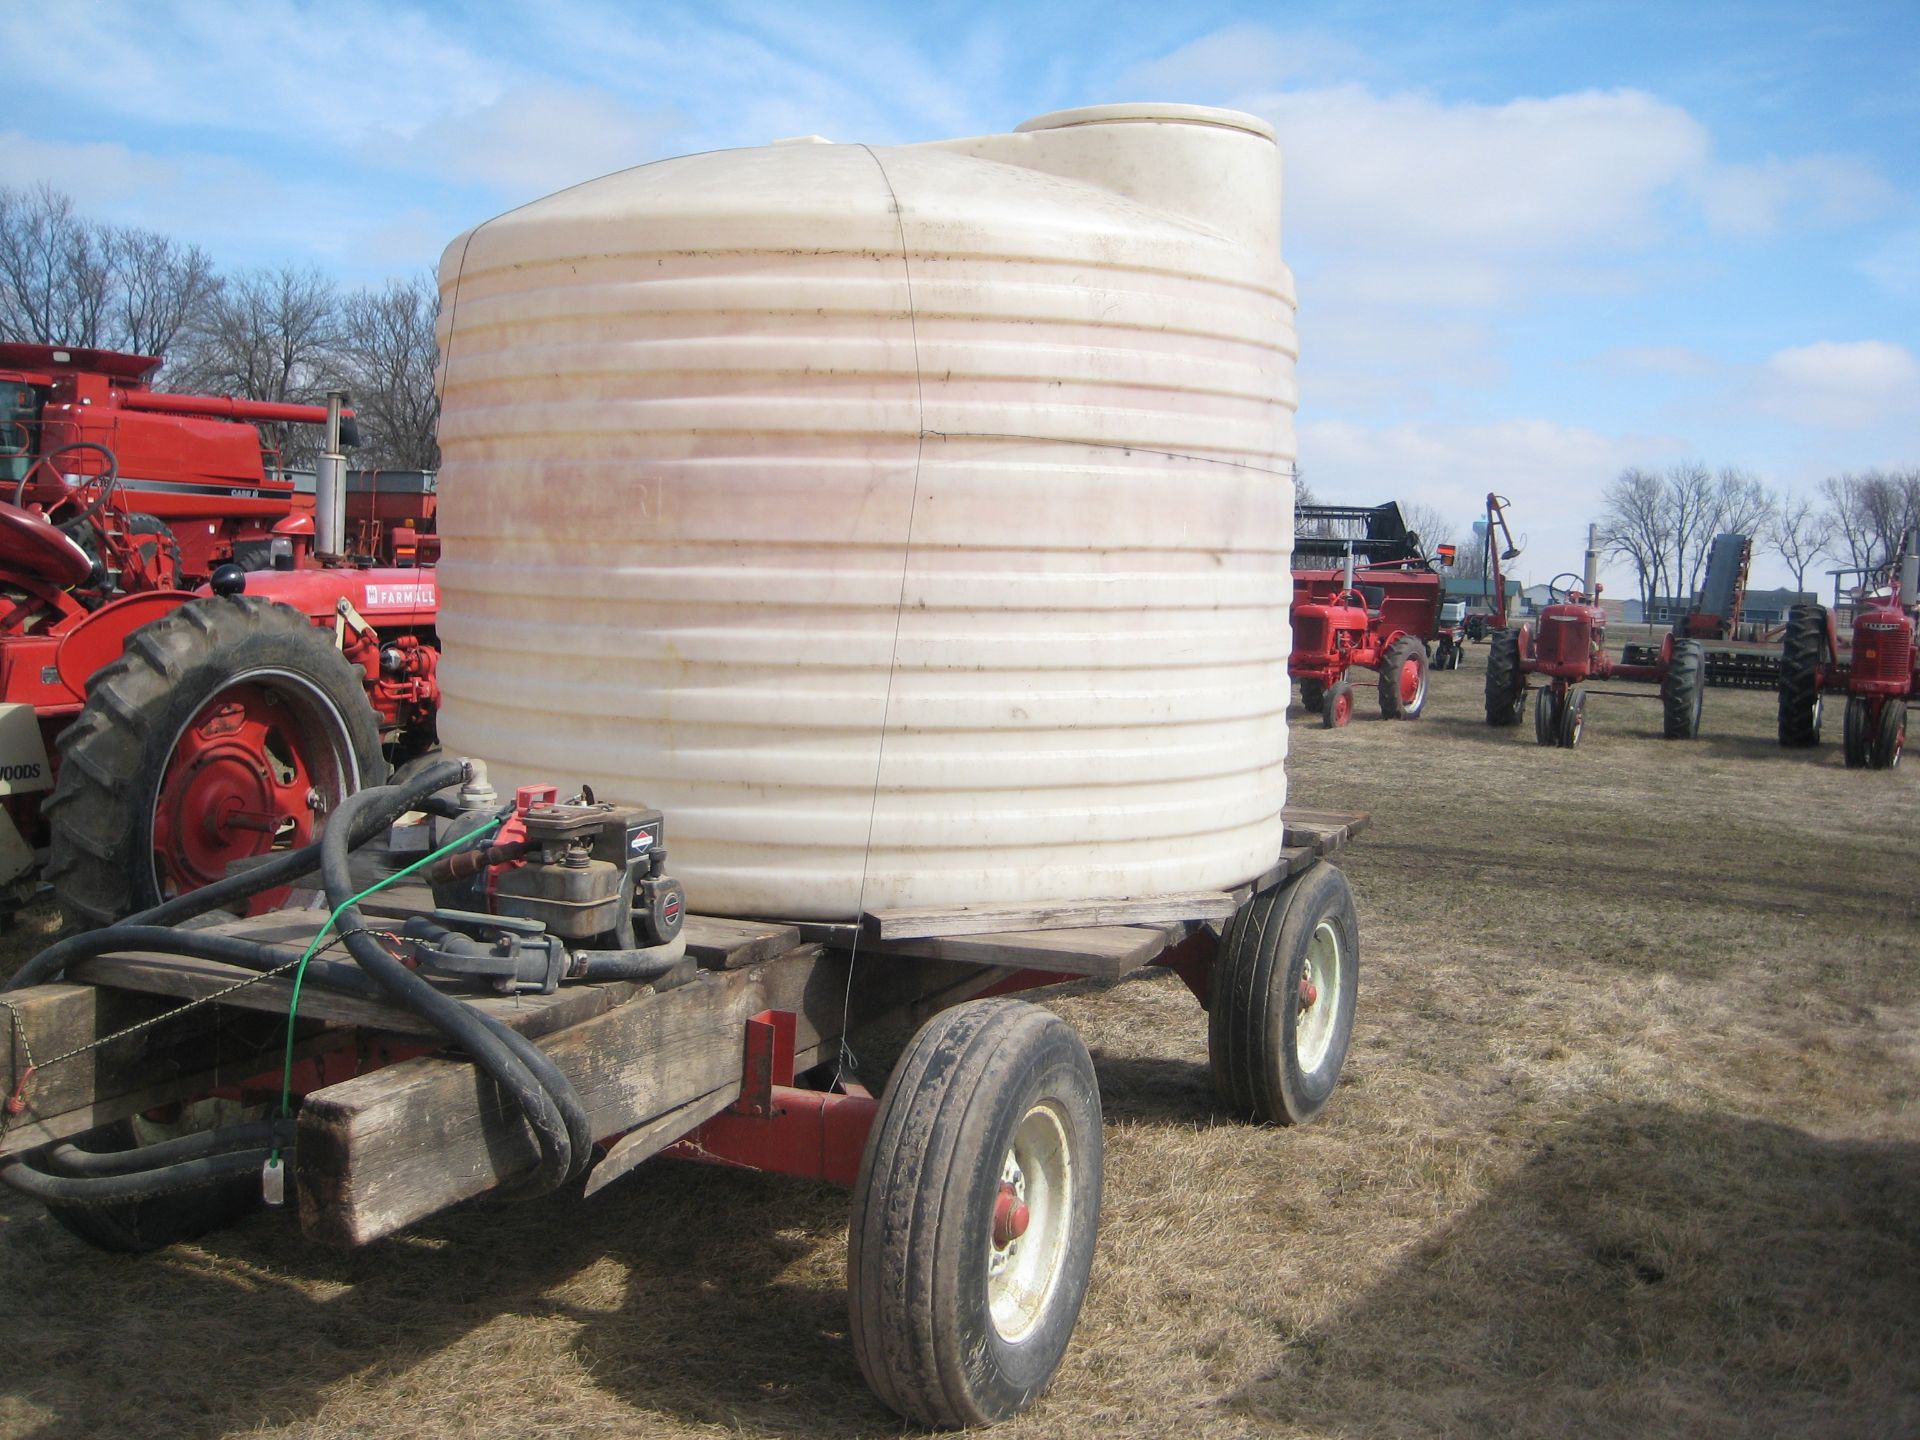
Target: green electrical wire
(300, 973)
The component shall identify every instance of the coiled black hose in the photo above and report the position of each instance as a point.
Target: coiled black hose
(85, 1177)
(543, 1095)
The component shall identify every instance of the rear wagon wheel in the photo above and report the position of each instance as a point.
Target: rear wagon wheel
(975, 1215)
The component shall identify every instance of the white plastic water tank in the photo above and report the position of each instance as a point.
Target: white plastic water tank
(909, 524)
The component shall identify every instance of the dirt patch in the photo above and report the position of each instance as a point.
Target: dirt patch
(1628, 1144)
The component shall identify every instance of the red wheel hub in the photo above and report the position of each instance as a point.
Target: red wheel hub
(1309, 993)
(1342, 709)
(1409, 682)
(1010, 1217)
(236, 785)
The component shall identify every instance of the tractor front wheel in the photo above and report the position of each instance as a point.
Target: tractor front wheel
(1546, 717)
(1857, 734)
(1890, 736)
(1506, 682)
(1403, 680)
(1573, 718)
(1803, 658)
(1683, 690)
(1312, 692)
(1336, 706)
(975, 1215)
(228, 728)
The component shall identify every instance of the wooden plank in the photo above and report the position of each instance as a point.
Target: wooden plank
(644, 1142)
(1325, 832)
(1067, 915)
(735, 944)
(383, 1150)
(1107, 952)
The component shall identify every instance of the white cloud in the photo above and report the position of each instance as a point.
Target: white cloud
(1845, 385)
(1241, 59)
(1679, 362)
(1894, 265)
(1752, 200)
(534, 140)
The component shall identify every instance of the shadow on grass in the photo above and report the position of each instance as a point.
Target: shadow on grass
(1650, 1271)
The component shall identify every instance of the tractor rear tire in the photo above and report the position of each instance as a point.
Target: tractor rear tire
(1280, 1007)
(1546, 717)
(1573, 719)
(1683, 690)
(1857, 735)
(960, 1311)
(1403, 680)
(1312, 692)
(257, 706)
(1890, 736)
(1506, 682)
(1803, 658)
(1336, 706)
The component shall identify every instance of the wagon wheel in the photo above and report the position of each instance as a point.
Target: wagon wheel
(975, 1214)
(1803, 657)
(1683, 690)
(1336, 706)
(1403, 679)
(1546, 717)
(1890, 736)
(1857, 735)
(228, 728)
(1573, 718)
(1280, 1010)
(1506, 682)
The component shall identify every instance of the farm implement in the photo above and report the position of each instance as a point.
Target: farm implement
(197, 660)
(1880, 676)
(524, 1002)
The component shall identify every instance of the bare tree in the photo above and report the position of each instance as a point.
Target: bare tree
(1636, 528)
(1742, 505)
(1426, 521)
(161, 287)
(1690, 505)
(269, 335)
(1799, 533)
(388, 356)
(1869, 513)
(51, 288)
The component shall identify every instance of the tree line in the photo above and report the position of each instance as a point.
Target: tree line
(1663, 524)
(287, 335)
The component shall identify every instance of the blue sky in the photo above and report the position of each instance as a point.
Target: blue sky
(1534, 243)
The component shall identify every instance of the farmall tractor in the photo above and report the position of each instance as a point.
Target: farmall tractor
(1880, 679)
(1567, 651)
(193, 667)
(1380, 617)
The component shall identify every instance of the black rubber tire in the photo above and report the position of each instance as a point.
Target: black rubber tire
(1399, 654)
(140, 1227)
(1330, 717)
(1546, 717)
(1856, 736)
(1312, 692)
(1253, 1005)
(1683, 690)
(1803, 657)
(921, 1236)
(1506, 683)
(1572, 722)
(115, 753)
(1890, 736)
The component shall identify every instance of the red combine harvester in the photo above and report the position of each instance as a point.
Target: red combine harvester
(1880, 680)
(179, 717)
(1568, 651)
(1380, 616)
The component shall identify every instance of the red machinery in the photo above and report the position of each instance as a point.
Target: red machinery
(1380, 616)
(1569, 650)
(1880, 678)
(181, 721)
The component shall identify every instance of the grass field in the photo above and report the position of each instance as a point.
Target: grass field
(1628, 1145)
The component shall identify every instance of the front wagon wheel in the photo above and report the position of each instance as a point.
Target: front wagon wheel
(975, 1215)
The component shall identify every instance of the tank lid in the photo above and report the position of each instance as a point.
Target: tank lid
(1149, 114)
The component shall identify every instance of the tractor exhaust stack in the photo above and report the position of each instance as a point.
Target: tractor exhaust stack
(330, 487)
(1593, 563)
(1910, 572)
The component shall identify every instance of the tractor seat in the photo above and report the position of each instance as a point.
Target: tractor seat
(32, 545)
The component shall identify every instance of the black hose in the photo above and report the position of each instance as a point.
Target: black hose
(396, 800)
(655, 962)
(228, 949)
(547, 1100)
(250, 1135)
(142, 1185)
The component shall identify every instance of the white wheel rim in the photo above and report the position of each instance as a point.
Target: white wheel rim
(1313, 1026)
(1023, 1275)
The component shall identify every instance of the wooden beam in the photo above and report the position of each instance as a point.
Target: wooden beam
(1105, 952)
(1066, 915)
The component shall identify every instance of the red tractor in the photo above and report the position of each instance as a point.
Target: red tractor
(1380, 616)
(179, 716)
(1879, 680)
(1568, 650)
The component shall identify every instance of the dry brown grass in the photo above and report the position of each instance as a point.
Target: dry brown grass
(1628, 1145)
